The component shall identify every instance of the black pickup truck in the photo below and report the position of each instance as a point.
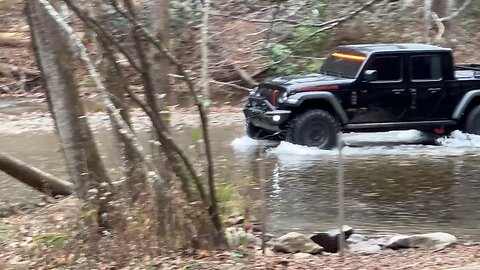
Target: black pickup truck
(368, 88)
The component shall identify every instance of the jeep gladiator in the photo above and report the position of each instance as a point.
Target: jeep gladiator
(368, 88)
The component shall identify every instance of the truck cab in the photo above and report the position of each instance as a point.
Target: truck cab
(372, 87)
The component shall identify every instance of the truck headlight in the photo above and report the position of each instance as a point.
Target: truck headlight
(283, 97)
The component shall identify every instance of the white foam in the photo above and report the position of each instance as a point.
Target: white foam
(374, 144)
(460, 139)
(243, 141)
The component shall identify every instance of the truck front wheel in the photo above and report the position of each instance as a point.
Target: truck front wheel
(316, 128)
(472, 123)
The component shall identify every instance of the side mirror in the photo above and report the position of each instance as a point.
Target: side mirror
(370, 75)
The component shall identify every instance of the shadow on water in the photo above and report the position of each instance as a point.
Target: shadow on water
(390, 185)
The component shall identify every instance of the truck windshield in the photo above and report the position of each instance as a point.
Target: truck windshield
(342, 64)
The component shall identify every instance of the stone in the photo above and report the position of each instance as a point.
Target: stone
(294, 242)
(302, 256)
(368, 247)
(237, 237)
(329, 239)
(356, 238)
(435, 240)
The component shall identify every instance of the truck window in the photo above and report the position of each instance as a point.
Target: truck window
(426, 68)
(389, 68)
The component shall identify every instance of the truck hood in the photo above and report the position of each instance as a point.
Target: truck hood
(299, 81)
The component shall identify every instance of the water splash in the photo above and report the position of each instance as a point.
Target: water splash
(460, 139)
(410, 143)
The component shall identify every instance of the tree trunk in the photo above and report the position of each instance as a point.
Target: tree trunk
(160, 65)
(84, 165)
(34, 177)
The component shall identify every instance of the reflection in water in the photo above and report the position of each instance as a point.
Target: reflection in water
(402, 188)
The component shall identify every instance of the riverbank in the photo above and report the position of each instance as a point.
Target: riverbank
(41, 240)
(31, 115)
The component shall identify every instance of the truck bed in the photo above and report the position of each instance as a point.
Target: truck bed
(467, 72)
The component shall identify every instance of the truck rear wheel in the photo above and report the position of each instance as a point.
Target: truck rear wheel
(472, 123)
(315, 128)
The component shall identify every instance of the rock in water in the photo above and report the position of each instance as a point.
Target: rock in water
(434, 240)
(329, 239)
(356, 238)
(371, 246)
(296, 242)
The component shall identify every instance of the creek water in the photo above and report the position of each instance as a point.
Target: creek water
(394, 181)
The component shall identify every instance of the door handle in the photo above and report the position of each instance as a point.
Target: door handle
(398, 91)
(434, 90)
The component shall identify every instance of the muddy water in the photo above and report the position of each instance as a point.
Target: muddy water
(393, 183)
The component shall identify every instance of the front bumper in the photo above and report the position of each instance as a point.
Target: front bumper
(266, 117)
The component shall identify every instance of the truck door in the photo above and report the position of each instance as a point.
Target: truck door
(387, 98)
(427, 85)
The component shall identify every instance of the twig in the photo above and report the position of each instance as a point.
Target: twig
(231, 84)
(441, 27)
(341, 199)
(456, 13)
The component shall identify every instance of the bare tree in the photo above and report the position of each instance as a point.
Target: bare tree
(84, 165)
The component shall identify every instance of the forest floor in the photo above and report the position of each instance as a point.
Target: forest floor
(40, 240)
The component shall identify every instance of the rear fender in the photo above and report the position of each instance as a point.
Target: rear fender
(464, 102)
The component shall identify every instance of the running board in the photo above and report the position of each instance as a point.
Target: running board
(412, 125)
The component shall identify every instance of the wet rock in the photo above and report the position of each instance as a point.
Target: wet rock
(296, 242)
(329, 239)
(371, 246)
(356, 238)
(434, 240)
(237, 237)
(302, 256)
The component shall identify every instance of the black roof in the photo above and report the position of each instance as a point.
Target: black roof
(395, 47)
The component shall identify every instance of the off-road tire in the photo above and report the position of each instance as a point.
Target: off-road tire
(260, 133)
(472, 123)
(316, 128)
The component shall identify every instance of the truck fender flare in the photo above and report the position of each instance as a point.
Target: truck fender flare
(464, 102)
(298, 98)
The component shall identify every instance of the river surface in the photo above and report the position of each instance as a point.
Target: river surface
(394, 181)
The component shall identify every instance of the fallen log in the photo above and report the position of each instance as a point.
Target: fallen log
(34, 177)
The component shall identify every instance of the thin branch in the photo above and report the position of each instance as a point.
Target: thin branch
(231, 84)
(333, 23)
(456, 13)
(441, 27)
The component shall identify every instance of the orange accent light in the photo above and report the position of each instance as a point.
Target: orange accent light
(318, 88)
(349, 56)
